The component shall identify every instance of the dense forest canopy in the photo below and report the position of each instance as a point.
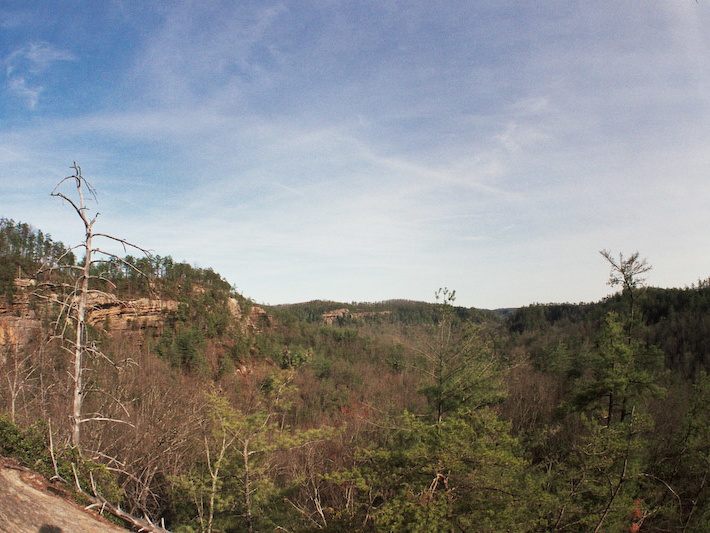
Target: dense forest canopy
(387, 416)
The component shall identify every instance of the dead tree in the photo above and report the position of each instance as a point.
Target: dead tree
(627, 273)
(75, 301)
(20, 371)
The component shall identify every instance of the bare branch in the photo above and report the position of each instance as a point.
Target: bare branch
(142, 524)
(105, 419)
(126, 244)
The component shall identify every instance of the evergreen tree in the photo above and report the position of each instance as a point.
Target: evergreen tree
(620, 374)
(465, 473)
(458, 364)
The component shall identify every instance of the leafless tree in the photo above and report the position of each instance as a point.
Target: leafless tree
(19, 374)
(75, 294)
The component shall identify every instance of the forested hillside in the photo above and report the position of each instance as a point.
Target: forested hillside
(216, 414)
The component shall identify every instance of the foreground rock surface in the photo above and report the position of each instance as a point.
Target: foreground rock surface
(31, 504)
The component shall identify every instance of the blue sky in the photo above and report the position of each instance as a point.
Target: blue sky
(368, 150)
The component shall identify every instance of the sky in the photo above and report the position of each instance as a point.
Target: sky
(370, 150)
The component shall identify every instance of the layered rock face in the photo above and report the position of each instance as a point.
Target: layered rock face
(15, 330)
(104, 312)
(18, 323)
(330, 317)
(116, 315)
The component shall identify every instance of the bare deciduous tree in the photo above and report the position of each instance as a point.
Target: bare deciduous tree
(75, 301)
(19, 374)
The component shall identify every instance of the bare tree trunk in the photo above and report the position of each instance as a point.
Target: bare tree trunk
(17, 379)
(80, 340)
(78, 389)
(247, 487)
(214, 469)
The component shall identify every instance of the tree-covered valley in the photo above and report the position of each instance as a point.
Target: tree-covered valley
(211, 413)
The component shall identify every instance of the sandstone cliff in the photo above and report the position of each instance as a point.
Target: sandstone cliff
(116, 315)
(330, 317)
(19, 323)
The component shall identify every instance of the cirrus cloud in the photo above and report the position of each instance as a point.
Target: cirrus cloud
(25, 66)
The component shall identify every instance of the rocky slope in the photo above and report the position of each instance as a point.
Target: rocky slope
(31, 504)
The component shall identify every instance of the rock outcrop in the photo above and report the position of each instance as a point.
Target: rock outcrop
(330, 317)
(116, 315)
(16, 330)
(31, 504)
(259, 319)
(18, 323)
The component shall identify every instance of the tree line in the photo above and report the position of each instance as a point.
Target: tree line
(433, 417)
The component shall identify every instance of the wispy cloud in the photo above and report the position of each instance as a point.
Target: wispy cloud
(25, 66)
(35, 57)
(18, 85)
(315, 150)
(226, 57)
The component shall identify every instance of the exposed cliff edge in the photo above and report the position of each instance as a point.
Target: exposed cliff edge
(116, 315)
(330, 317)
(19, 323)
